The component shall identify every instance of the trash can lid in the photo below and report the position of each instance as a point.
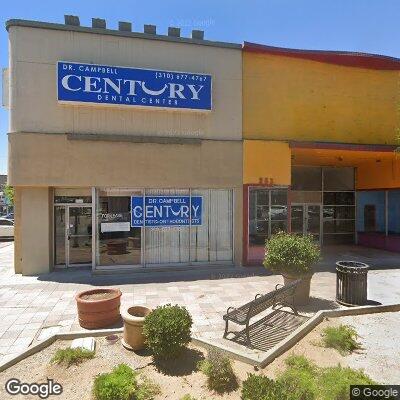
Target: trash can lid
(352, 265)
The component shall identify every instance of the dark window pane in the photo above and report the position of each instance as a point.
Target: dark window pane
(262, 213)
(279, 213)
(121, 246)
(345, 226)
(339, 198)
(305, 197)
(329, 212)
(339, 178)
(279, 197)
(345, 212)
(329, 226)
(339, 226)
(306, 178)
(339, 212)
(262, 228)
(72, 199)
(262, 197)
(252, 205)
(278, 226)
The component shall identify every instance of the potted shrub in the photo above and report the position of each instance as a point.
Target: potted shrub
(293, 256)
(133, 327)
(98, 308)
(167, 331)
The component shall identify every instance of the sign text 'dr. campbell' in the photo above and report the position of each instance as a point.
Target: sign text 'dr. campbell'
(100, 84)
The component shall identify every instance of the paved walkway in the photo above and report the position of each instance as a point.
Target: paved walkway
(33, 308)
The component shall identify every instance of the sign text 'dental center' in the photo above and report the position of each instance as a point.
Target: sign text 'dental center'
(166, 211)
(102, 84)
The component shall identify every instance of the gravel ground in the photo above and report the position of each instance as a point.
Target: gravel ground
(380, 338)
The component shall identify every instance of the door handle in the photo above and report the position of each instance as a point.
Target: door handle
(69, 237)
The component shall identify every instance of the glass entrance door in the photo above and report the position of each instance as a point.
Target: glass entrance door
(313, 221)
(72, 235)
(306, 220)
(79, 235)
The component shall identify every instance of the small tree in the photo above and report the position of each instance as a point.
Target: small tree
(291, 255)
(9, 193)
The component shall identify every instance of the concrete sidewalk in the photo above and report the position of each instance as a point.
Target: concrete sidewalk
(33, 308)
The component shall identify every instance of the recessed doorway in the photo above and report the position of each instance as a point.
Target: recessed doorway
(72, 235)
(306, 220)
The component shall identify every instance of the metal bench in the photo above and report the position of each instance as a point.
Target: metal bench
(282, 296)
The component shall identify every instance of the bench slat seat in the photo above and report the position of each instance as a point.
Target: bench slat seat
(282, 295)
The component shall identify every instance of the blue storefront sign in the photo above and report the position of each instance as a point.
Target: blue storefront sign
(161, 211)
(103, 84)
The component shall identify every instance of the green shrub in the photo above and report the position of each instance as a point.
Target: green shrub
(147, 389)
(298, 380)
(70, 356)
(258, 387)
(187, 396)
(291, 254)
(295, 361)
(342, 338)
(303, 380)
(218, 369)
(119, 384)
(334, 382)
(122, 384)
(167, 331)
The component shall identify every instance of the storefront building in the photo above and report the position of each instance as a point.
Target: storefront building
(125, 148)
(319, 134)
(136, 150)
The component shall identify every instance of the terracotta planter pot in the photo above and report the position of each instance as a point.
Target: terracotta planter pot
(302, 293)
(98, 308)
(133, 317)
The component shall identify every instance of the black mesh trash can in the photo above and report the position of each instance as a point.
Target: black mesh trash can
(351, 283)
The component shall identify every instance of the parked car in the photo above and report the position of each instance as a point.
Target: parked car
(6, 228)
(10, 216)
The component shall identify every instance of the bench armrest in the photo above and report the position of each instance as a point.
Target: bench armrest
(230, 309)
(277, 286)
(257, 296)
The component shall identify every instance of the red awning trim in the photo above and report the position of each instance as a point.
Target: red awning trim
(345, 58)
(342, 146)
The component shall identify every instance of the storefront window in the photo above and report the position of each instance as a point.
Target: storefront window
(166, 245)
(394, 212)
(207, 240)
(72, 195)
(267, 214)
(334, 189)
(117, 242)
(338, 178)
(307, 178)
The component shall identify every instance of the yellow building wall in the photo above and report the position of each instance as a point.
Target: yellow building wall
(295, 99)
(382, 175)
(266, 160)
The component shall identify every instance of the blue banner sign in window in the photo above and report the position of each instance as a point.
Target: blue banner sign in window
(161, 211)
(103, 84)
